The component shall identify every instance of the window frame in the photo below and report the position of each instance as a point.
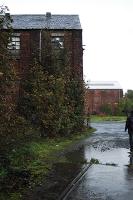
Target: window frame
(57, 41)
(14, 45)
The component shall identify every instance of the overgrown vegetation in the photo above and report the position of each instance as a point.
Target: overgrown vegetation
(7, 73)
(97, 118)
(94, 161)
(52, 96)
(124, 106)
(50, 104)
(12, 123)
(30, 161)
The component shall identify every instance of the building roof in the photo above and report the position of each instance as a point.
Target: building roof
(46, 21)
(104, 85)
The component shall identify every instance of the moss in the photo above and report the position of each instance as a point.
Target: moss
(15, 196)
(3, 173)
(94, 161)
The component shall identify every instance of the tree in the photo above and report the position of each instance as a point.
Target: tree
(52, 97)
(9, 119)
(129, 94)
(7, 74)
(126, 103)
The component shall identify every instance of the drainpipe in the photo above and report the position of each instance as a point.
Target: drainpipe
(119, 94)
(40, 46)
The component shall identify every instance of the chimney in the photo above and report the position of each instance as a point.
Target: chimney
(48, 15)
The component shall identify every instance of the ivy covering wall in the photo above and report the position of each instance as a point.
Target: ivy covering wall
(51, 95)
(9, 118)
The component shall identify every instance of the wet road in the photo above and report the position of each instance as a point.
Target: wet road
(112, 178)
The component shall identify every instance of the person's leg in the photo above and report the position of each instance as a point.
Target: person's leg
(130, 141)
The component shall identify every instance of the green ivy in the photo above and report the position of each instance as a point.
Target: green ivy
(52, 97)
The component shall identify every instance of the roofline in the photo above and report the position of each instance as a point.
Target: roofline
(45, 14)
(47, 29)
(67, 26)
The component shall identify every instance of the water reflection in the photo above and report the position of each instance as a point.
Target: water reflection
(109, 144)
(62, 173)
(116, 156)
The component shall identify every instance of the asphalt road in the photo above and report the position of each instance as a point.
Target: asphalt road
(112, 178)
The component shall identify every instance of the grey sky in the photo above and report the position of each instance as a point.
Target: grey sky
(107, 33)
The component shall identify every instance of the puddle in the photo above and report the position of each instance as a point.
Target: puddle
(109, 145)
(55, 182)
(117, 156)
(104, 183)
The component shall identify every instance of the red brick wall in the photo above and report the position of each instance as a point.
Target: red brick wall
(77, 52)
(94, 99)
(30, 46)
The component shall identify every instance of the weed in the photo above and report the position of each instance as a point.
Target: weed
(94, 161)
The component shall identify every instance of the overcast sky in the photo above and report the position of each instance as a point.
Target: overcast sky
(107, 34)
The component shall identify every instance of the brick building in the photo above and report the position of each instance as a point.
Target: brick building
(28, 39)
(102, 93)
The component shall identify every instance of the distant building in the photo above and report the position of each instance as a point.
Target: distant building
(102, 94)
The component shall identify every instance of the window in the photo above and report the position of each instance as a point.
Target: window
(14, 45)
(57, 44)
(57, 40)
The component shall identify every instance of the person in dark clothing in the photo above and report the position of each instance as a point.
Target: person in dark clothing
(88, 119)
(129, 126)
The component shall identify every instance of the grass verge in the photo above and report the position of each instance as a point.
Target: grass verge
(95, 118)
(31, 161)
